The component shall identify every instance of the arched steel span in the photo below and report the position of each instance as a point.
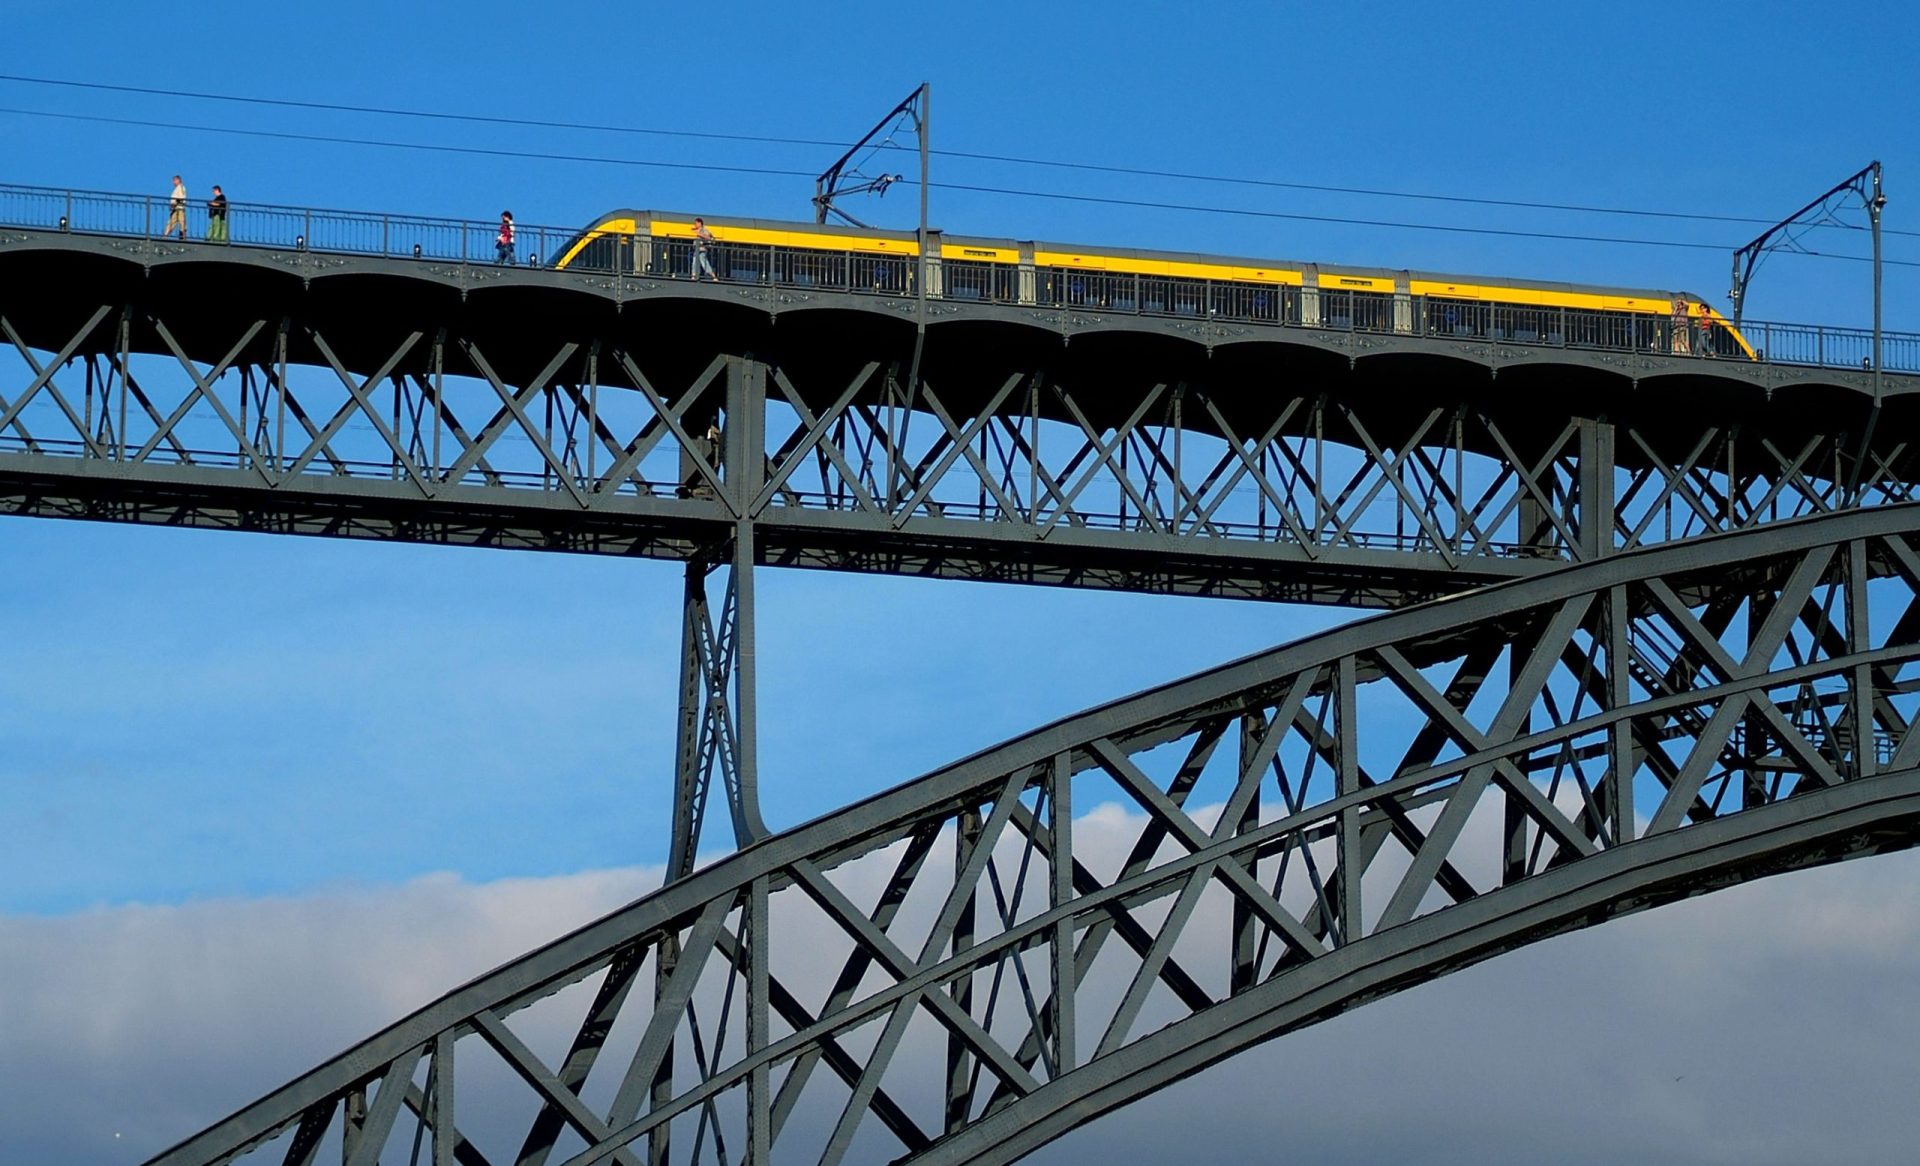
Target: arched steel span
(733, 425)
(966, 966)
(353, 396)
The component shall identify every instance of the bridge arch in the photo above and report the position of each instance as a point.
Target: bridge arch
(1081, 915)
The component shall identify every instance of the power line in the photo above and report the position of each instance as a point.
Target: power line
(1319, 188)
(1010, 159)
(1149, 204)
(485, 151)
(385, 111)
(1013, 192)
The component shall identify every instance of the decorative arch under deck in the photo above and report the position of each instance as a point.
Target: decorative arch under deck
(371, 396)
(971, 964)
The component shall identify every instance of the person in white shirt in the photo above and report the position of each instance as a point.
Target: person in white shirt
(176, 210)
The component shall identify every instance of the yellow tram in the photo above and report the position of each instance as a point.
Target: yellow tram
(1040, 274)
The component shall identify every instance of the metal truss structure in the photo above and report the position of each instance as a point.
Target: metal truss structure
(961, 969)
(966, 966)
(536, 409)
(378, 398)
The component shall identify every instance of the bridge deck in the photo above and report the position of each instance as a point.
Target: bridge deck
(345, 393)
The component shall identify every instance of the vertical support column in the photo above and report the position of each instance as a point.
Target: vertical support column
(1351, 858)
(124, 342)
(89, 364)
(1321, 509)
(396, 470)
(718, 663)
(353, 1120)
(1751, 736)
(280, 397)
(744, 470)
(1534, 532)
(759, 1079)
(593, 415)
(1253, 730)
(1593, 517)
(1513, 866)
(959, 1060)
(744, 792)
(1620, 736)
(441, 1102)
(1866, 757)
(660, 1140)
(689, 767)
(439, 471)
(240, 439)
(1065, 979)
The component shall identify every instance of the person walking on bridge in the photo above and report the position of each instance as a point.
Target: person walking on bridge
(176, 210)
(503, 242)
(701, 260)
(217, 216)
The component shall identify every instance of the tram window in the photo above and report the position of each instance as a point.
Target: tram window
(742, 263)
(968, 280)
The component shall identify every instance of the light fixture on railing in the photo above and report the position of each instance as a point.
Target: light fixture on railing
(533, 260)
(416, 250)
(63, 222)
(299, 242)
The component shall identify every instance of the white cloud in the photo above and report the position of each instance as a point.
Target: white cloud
(148, 1022)
(1768, 1023)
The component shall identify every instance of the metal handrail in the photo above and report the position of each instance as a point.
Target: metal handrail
(472, 242)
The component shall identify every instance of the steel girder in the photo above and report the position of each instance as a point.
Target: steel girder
(1266, 471)
(970, 964)
(717, 730)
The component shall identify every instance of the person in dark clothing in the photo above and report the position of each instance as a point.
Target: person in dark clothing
(217, 216)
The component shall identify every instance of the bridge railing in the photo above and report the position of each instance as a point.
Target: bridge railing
(1831, 347)
(254, 224)
(473, 242)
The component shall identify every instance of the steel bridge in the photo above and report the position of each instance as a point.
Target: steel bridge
(1635, 714)
(364, 393)
(1308, 829)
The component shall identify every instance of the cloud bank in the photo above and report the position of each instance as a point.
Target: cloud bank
(1769, 1023)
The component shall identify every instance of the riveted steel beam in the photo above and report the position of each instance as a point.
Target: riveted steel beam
(1482, 762)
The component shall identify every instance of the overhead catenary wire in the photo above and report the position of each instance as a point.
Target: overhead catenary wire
(1000, 191)
(970, 155)
(1294, 216)
(483, 151)
(437, 115)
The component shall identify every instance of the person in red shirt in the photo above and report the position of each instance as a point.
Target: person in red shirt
(503, 242)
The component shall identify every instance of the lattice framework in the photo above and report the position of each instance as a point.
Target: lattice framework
(970, 964)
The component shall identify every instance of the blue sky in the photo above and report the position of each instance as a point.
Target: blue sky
(191, 718)
(211, 714)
